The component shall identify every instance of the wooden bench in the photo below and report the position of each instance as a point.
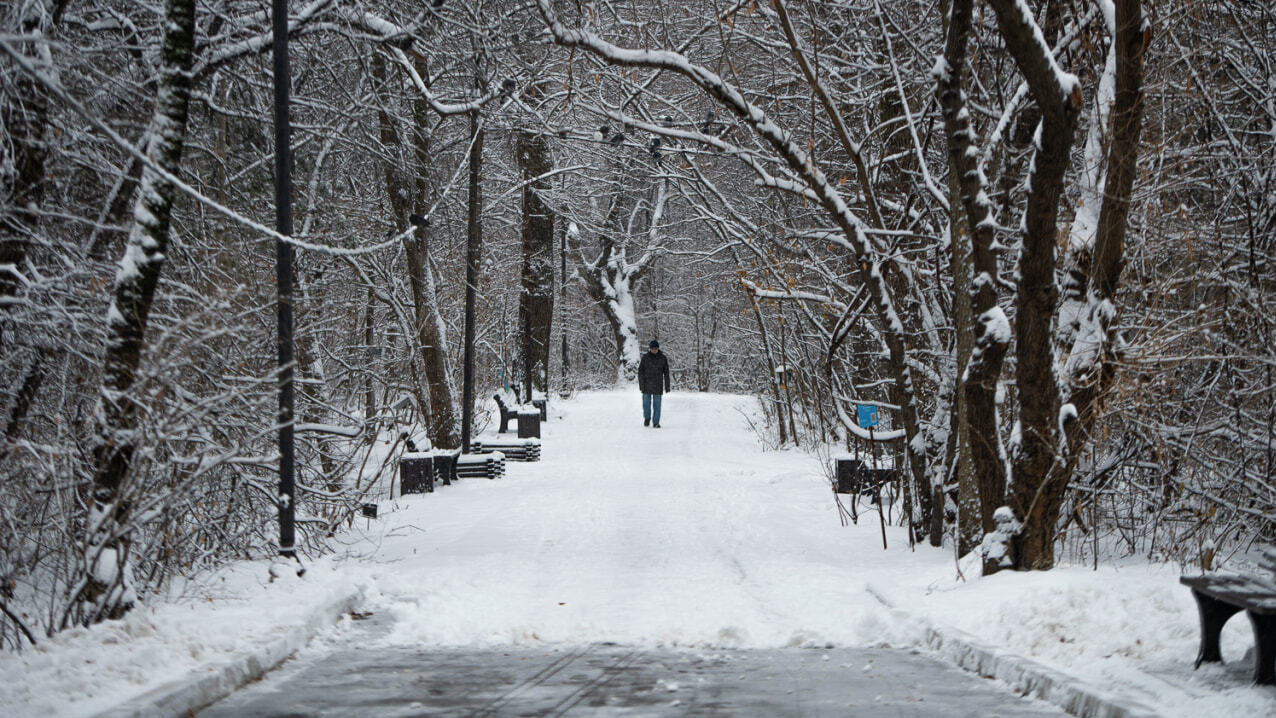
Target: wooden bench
(445, 464)
(855, 477)
(506, 414)
(1219, 596)
(481, 466)
(514, 449)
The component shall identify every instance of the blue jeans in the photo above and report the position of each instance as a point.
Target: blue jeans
(651, 407)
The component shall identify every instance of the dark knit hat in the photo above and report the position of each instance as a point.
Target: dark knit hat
(654, 344)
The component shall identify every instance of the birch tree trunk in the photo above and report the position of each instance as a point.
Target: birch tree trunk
(105, 590)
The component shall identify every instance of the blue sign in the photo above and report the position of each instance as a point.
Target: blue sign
(866, 415)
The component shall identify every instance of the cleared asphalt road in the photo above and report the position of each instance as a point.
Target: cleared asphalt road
(608, 680)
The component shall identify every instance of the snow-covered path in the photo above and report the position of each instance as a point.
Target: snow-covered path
(633, 571)
(687, 546)
(684, 535)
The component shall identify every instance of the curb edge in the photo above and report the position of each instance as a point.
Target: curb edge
(1024, 675)
(201, 688)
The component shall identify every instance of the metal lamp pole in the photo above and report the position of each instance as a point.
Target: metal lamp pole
(473, 244)
(283, 279)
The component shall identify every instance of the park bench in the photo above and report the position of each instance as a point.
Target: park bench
(445, 465)
(481, 466)
(855, 477)
(1219, 596)
(507, 414)
(527, 418)
(514, 449)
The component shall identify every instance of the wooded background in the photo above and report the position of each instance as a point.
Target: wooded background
(1039, 235)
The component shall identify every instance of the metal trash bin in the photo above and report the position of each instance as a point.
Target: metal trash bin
(529, 423)
(851, 475)
(416, 473)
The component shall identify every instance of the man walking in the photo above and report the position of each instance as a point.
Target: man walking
(653, 381)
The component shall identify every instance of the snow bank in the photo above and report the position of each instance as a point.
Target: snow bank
(1131, 629)
(238, 615)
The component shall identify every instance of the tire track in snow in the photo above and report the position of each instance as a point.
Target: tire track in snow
(607, 675)
(536, 679)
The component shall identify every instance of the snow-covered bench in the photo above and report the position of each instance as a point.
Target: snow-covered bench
(506, 414)
(445, 464)
(481, 466)
(514, 449)
(528, 419)
(1219, 596)
(855, 477)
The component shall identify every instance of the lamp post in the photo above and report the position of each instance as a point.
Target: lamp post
(283, 280)
(473, 244)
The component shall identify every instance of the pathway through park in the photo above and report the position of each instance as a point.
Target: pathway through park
(633, 571)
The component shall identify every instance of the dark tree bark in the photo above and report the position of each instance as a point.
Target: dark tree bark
(977, 384)
(24, 118)
(536, 302)
(1036, 493)
(1092, 366)
(473, 260)
(105, 592)
(406, 190)
(24, 115)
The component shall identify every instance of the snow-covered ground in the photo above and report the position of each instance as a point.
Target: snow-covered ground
(688, 535)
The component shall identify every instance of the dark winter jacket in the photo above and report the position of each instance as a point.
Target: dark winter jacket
(653, 373)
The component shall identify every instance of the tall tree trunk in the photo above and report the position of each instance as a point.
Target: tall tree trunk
(444, 427)
(406, 190)
(369, 392)
(1036, 493)
(981, 452)
(105, 591)
(536, 302)
(24, 118)
(1091, 366)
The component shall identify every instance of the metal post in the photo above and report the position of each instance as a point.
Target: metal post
(877, 488)
(472, 247)
(283, 278)
(562, 312)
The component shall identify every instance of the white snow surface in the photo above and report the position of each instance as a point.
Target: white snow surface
(686, 536)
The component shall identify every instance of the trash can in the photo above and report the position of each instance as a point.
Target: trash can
(416, 473)
(852, 475)
(529, 423)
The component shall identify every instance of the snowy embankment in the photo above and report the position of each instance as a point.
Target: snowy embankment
(1129, 629)
(220, 631)
(684, 536)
